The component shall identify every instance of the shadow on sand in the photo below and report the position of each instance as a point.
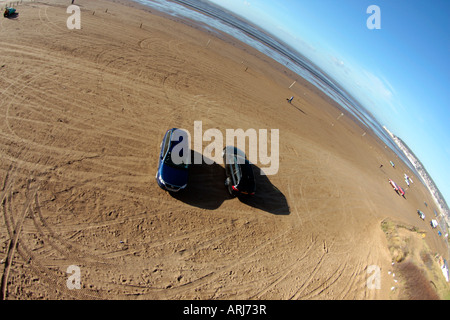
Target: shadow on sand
(292, 104)
(14, 15)
(206, 189)
(267, 196)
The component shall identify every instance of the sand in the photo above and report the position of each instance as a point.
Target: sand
(82, 116)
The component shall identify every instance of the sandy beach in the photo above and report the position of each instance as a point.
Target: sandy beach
(82, 116)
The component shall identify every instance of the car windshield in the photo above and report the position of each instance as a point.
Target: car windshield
(168, 161)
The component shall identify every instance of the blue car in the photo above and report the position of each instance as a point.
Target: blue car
(173, 163)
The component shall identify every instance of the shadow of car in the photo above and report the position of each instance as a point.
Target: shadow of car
(206, 189)
(267, 197)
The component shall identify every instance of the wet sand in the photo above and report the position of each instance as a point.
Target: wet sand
(83, 113)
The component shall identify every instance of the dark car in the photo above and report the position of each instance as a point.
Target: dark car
(240, 179)
(172, 174)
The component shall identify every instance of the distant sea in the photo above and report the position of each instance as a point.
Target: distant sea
(216, 20)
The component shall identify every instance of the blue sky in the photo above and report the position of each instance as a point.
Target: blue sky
(400, 72)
